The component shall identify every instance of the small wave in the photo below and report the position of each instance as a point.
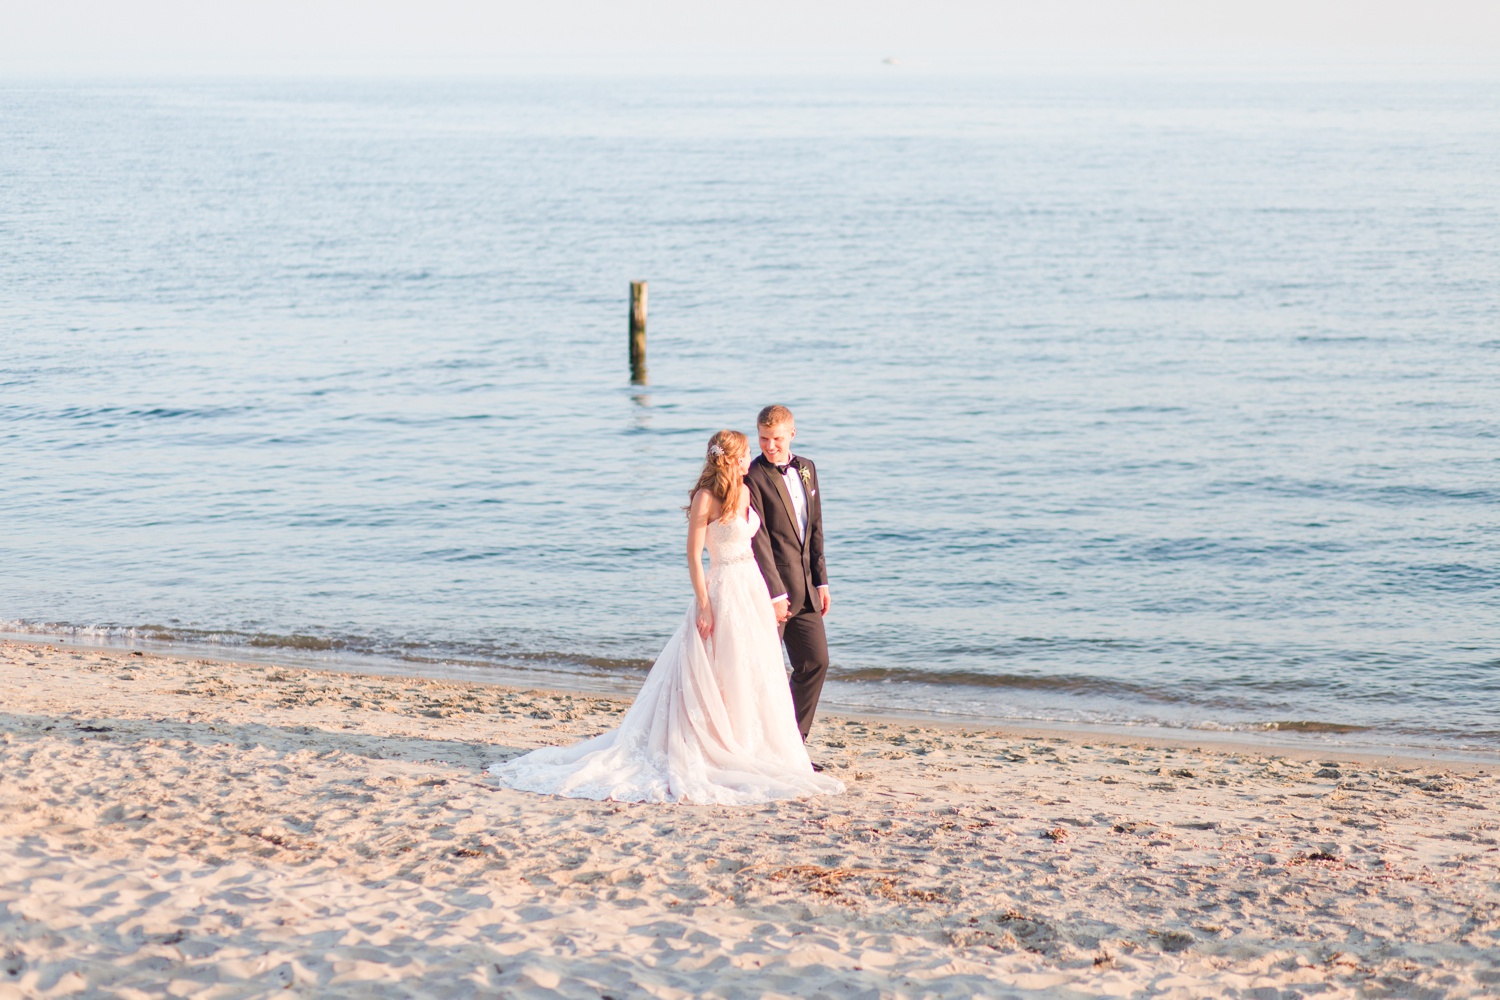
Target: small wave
(1313, 726)
(110, 415)
(1399, 495)
(472, 654)
(173, 634)
(1078, 684)
(1317, 338)
(295, 642)
(375, 278)
(597, 662)
(1145, 408)
(1457, 577)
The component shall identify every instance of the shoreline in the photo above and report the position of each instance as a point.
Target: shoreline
(232, 829)
(1288, 742)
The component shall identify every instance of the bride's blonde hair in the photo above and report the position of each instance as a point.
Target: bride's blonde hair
(721, 471)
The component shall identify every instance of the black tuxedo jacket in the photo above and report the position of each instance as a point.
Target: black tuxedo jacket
(791, 565)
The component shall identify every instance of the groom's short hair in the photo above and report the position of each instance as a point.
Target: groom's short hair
(773, 415)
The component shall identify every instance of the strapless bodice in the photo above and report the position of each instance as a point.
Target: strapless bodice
(730, 543)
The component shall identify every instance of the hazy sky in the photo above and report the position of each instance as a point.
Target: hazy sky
(474, 34)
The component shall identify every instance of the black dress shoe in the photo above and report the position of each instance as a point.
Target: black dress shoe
(816, 766)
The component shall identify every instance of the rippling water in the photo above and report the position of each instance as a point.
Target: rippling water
(1156, 401)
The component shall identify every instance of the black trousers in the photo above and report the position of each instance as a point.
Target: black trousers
(807, 648)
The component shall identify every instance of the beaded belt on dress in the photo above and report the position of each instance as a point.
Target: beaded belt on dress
(734, 557)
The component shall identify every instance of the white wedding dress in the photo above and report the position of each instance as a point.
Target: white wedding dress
(712, 724)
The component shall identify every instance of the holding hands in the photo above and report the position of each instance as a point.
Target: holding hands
(783, 607)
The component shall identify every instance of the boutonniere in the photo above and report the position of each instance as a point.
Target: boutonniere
(806, 475)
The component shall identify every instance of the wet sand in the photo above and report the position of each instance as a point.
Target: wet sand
(185, 827)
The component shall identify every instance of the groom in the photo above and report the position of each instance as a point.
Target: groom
(789, 551)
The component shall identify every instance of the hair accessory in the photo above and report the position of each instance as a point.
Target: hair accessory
(714, 449)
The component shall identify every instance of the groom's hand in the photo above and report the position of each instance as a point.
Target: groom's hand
(782, 608)
(823, 599)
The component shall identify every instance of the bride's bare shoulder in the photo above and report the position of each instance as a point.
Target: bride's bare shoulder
(706, 505)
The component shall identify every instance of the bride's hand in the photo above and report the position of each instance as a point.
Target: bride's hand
(705, 621)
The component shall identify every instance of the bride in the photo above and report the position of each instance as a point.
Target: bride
(713, 723)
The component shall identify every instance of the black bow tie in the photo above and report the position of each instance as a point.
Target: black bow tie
(782, 468)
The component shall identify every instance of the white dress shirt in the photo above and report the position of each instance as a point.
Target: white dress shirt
(795, 490)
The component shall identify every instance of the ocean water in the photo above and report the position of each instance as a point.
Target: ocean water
(1137, 400)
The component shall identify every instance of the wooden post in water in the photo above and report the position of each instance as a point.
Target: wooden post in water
(638, 332)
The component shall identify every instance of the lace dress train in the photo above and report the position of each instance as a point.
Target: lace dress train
(714, 721)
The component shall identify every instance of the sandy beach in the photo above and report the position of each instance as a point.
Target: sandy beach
(172, 826)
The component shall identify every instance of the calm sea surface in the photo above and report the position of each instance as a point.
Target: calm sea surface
(1156, 401)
